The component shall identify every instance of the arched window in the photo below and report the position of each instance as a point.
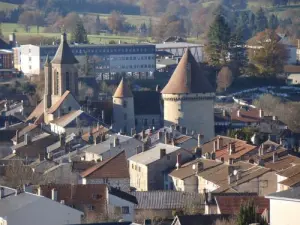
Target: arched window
(67, 81)
(56, 83)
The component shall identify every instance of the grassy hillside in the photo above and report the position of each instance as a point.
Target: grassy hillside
(7, 6)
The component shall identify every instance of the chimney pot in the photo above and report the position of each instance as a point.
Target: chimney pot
(178, 163)
(199, 167)
(275, 157)
(17, 137)
(116, 141)
(39, 191)
(261, 113)
(199, 140)
(238, 113)
(1, 192)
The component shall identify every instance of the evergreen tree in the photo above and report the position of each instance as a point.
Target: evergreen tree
(252, 25)
(218, 42)
(242, 26)
(273, 22)
(261, 21)
(98, 25)
(79, 34)
(150, 28)
(248, 215)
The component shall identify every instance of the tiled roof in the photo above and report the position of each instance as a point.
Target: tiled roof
(230, 205)
(123, 90)
(241, 148)
(115, 167)
(250, 115)
(209, 146)
(165, 199)
(54, 107)
(123, 195)
(77, 194)
(187, 169)
(80, 166)
(291, 181)
(99, 130)
(185, 81)
(291, 171)
(36, 147)
(26, 129)
(200, 219)
(64, 53)
(282, 162)
(67, 118)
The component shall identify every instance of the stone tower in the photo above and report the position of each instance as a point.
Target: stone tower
(48, 84)
(123, 109)
(64, 72)
(189, 98)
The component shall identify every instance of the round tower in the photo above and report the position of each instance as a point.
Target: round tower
(123, 109)
(189, 98)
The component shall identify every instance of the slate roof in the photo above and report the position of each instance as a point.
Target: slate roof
(64, 53)
(165, 199)
(179, 82)
(4, 45)
(230, 205)
(123, 90)
(292, 194)
(115, 167)
(147, 103)
(57, 104)
(199, 219)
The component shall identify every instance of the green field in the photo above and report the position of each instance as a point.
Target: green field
(23, 36)
(7, 6)
(131, 19)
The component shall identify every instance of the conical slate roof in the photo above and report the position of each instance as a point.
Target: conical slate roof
(123, 90)
(64, 53)
(47, 61)
(187, 78)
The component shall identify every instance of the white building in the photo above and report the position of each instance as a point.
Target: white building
(189, 98)
(284, 207)
(30, 209)
(103, 58)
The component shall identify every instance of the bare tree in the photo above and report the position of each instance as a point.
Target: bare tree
(224, 78)
(231, 221)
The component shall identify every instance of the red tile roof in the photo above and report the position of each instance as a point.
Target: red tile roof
(95, 132)
(282, 162)
(230, 205)
(250, 115)
(115, 167)
(37, 112)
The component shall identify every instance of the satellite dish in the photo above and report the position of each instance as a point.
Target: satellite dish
(235, 172)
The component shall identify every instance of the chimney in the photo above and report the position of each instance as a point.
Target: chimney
(138, 149)
(274, 118)
(62, 139)
(6, 124)
(178, 163)
(231, 148)
(132, 132)
(162, 152)
(231, 178)
(1, 192)
(183, 130)
(39, 191)
(199, 141)
(213, 155)
(144, 148)
(17, 137)
(261, 150)
(116, 141)
(280, 141)
(275, 157)
(27, 139)
(261, 113)
(199, 167)
(173, 141)
(215, 146)
(238, 113)
(12, 39)
(160, 135)
(143, 134)
(166, 137)
(54, 194)
(224, 113)
(219, 143)
(236, 136)
(157, 88)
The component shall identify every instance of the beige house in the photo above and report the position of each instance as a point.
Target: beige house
(184, 176)
(148, 169)
(189, 98)
(113, 171)
(238, 177)
(285, 207)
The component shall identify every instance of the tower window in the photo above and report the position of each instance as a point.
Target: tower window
(56, 83)
(125, 104)
(145, 122)
(67, 81)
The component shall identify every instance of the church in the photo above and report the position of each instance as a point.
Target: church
(186, 101)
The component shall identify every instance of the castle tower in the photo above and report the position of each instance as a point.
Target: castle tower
(64, 72)
(123, 108)
(48, 86)
(189, 98)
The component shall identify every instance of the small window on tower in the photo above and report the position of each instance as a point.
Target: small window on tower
(67, 81)
(125, 104)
